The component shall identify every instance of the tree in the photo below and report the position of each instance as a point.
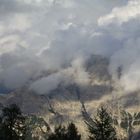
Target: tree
(12, 123)
(72, 133)
(58, 134)
(100, 128)
(36, 128)
(128, 122)
(63, 133)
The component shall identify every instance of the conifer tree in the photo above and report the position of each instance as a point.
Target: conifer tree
(58, 134)
(12, 123)
(72, 133)
(63, 133)
(101, 127)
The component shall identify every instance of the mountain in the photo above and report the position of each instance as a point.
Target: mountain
(64, 104)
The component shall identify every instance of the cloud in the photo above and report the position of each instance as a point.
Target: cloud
(123, 14)
(49, 83)
(123, 24)
(57, 37)
(8, 7)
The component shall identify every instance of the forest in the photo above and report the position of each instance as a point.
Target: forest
(14, 125)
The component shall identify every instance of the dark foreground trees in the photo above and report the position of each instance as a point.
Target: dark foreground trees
(63, 133)
(12, 123)
(100, 128)
(36, 128)
(72, 133)
(58, 134)
(15, 126)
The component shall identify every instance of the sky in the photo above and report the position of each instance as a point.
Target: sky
(56, 37)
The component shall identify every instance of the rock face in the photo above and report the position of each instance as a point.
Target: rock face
(63, 104)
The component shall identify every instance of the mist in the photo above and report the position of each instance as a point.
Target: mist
(47, 43)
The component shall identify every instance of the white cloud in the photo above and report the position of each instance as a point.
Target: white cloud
(122, 14)
(58, 36)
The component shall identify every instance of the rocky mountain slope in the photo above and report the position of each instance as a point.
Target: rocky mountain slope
(64, 104)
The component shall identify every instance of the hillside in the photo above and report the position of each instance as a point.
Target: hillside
(64, 104)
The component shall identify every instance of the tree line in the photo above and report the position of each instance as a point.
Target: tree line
(16, 126)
